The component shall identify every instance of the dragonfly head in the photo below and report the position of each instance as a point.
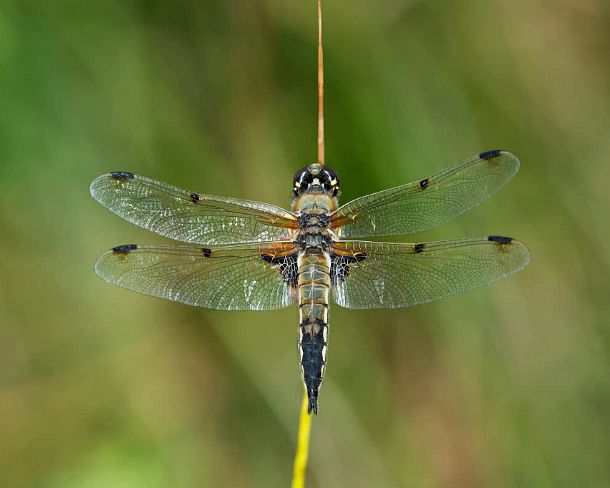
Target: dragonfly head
(316, 178)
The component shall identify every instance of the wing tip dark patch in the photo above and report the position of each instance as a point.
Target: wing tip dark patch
(122, 175)
(207, 252)
(419, 248)
(124, 249)
(194, 197)
(500, 239)
(423, 184)
(487, 155)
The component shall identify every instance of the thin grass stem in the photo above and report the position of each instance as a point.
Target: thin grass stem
(302, 452)
(300, 458)
(320, 88)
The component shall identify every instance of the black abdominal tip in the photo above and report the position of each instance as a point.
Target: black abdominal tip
(312, 406)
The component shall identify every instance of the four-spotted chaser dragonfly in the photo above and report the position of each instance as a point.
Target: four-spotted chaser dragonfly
(247, 255)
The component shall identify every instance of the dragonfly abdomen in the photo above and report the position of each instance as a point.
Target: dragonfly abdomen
(314, 291)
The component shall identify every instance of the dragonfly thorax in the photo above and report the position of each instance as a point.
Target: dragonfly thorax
(313, 230)
(314, 242)
(318, 220)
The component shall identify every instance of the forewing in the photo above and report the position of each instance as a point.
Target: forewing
(188, 216)
(240, 277)
(427, 203)
(391, 275)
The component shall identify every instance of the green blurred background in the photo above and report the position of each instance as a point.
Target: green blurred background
(504, 386)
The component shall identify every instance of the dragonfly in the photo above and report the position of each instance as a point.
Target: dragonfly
(247, 255)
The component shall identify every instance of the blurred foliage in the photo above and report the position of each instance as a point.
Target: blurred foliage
(504, 386)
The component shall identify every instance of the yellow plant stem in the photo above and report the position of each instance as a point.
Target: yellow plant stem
(300, 458)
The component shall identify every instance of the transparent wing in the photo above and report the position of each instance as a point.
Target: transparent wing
(190, 217)
(424, 204)
(390, 275)
(253, 277)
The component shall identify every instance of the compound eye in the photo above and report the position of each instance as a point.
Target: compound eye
(300, 175)
(299, 178)
(331, 178)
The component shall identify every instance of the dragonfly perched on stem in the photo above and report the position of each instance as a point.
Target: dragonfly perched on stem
(245, 255)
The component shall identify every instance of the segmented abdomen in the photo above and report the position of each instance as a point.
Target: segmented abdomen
(314, 290)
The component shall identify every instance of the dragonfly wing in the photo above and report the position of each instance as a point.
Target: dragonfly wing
(190, 217)
(426, 203)
(239, 277)
(391, 275)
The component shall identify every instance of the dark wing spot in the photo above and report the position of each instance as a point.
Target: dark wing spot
(194, 197)
(207, 252)
(124, 249)
(500, 239)
(490, 154)
(339, 266)
(287, 266)
(419, 248)
(423, 184)
(121, 175)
